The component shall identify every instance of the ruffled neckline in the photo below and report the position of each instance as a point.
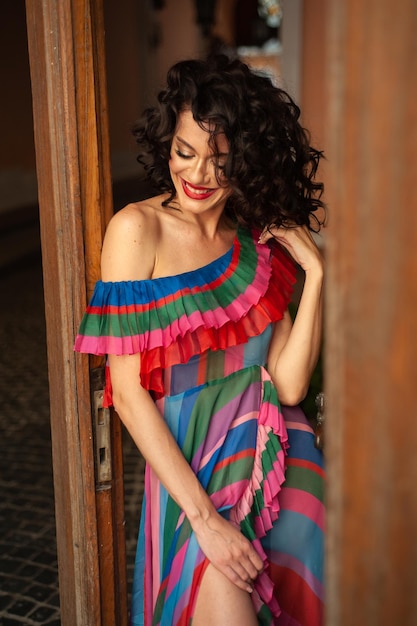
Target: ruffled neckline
(168, 320)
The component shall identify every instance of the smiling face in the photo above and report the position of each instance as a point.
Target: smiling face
(193, 167)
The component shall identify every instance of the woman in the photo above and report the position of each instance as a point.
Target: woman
(192, 313)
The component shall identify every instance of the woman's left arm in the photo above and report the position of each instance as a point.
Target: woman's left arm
(295, 347)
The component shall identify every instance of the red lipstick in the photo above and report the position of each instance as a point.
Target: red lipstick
(196, 192)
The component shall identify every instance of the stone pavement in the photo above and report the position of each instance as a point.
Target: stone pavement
(28, 563)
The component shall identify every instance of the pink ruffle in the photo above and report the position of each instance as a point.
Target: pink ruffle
(263, 303)
(260, 498)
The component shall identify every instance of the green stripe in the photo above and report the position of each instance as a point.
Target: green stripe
(310, 481)
(159, 605)
(270, 394)
(208, 403)
(172, 514)
(184, 535)
(264, 616)
(269, 455)
(241, 468)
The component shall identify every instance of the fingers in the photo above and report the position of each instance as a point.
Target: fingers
(239, 579)
(299, 242)
(243, 571)
(249, 571)
(243, 576)
(242, 567)
(283, 233)
(256, 562)
(230, 552)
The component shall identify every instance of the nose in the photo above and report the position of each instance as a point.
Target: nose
(200, 172)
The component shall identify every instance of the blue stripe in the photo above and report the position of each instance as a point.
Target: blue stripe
(297, 535)
(302, 447)
(148, 290)
(239, 438)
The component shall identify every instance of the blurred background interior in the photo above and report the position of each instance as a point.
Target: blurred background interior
(143, 39)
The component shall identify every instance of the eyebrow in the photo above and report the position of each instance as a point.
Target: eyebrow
(185, 143)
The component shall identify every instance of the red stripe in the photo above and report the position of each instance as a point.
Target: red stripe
(295, 597)
(202, 369)
(188, 611)
(313, 467)
(250, 452)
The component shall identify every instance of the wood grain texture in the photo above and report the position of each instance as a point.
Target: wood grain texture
(66, 52)
(371, 341)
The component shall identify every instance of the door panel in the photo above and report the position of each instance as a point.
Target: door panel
(66, 49)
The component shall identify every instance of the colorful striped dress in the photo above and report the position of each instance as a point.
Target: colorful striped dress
(203, 337)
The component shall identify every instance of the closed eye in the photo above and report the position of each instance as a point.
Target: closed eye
(220, 167)
(182, 155)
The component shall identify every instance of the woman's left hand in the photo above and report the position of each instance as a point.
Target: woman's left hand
(295, 347)
(299, 242)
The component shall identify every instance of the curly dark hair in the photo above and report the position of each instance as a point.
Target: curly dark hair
(270, 166)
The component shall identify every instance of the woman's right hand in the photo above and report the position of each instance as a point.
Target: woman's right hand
(229, 551)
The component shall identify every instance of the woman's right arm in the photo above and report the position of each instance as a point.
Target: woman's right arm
(225, 547)
(124, 251)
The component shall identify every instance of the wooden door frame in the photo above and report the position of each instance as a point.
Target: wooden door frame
(67, 63)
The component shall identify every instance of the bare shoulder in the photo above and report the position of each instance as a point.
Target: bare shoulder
(131, 241)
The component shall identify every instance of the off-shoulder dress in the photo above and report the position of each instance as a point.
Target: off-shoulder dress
(203, 337)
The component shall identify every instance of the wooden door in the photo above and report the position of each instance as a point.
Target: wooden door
(66, 51)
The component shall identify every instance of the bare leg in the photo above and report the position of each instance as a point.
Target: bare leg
(220, 602)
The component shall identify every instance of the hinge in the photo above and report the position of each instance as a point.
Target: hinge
(101, 429)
